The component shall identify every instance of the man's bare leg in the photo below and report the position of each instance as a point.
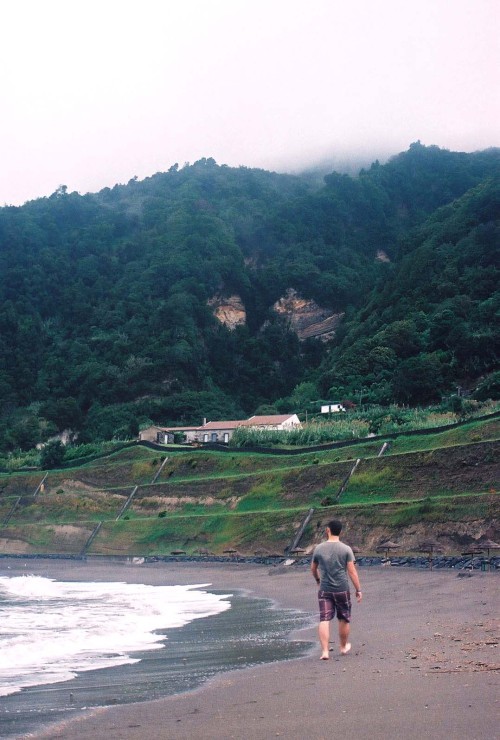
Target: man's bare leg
(344, 629)
(324, 639)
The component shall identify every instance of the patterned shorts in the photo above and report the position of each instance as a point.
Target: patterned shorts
(331, 603)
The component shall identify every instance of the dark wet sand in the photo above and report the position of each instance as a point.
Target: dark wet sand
(424, 662)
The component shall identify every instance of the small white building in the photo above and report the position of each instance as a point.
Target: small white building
(332, 408)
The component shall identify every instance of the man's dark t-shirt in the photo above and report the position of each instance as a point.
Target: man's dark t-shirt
(332, 559)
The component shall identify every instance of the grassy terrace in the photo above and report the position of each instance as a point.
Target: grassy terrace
(214, 500)
(269, 529)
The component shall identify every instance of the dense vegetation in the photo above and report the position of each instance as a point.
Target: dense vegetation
(374, 420)
(104, 322)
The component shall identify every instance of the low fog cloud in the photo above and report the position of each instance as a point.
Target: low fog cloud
(96, 93)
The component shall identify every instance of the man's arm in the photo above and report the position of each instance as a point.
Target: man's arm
(315, 571)
(353, 575)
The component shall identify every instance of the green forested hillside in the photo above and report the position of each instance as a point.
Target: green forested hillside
(104, 315)
(433, 322)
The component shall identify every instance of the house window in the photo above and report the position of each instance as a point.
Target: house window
(205, 437)
(226, 437)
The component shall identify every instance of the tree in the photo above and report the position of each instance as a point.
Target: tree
(303, 395)
(419, 380)
(489, 388)
(52, 455)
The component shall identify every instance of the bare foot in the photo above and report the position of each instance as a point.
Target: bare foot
(325, 656)
(346, 649)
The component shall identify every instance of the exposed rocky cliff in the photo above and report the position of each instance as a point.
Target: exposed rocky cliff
(307, 318)
(229, 311)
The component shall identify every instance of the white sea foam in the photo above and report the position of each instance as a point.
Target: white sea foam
(51, 630)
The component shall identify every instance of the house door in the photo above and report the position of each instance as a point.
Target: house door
(214, 436)
(226, 437)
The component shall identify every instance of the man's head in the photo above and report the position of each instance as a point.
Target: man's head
(335, 527)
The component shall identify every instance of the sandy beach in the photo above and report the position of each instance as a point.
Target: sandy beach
(424, 662)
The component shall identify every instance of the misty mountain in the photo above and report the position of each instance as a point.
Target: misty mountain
(110, 303)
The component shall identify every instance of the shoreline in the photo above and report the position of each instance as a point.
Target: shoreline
(476, 560)
(424, 662)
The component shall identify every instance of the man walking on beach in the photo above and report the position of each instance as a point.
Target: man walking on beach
(332, 565)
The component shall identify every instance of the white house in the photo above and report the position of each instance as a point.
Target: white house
(219, 431)
(274, 421)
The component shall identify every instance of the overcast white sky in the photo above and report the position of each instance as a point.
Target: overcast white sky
(94, 92)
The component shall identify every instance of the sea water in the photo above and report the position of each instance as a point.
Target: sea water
(50, 630)
(68, 646)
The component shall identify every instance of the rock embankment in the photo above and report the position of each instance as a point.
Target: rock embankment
(453, 562)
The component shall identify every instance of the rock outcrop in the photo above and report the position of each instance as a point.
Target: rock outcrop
(229, 311)
(306, 318)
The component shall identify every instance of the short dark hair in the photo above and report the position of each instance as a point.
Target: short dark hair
(335, 527)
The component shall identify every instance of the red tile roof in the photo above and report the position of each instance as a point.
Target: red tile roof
(222, 425)
(178, 429)
(274, 419)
